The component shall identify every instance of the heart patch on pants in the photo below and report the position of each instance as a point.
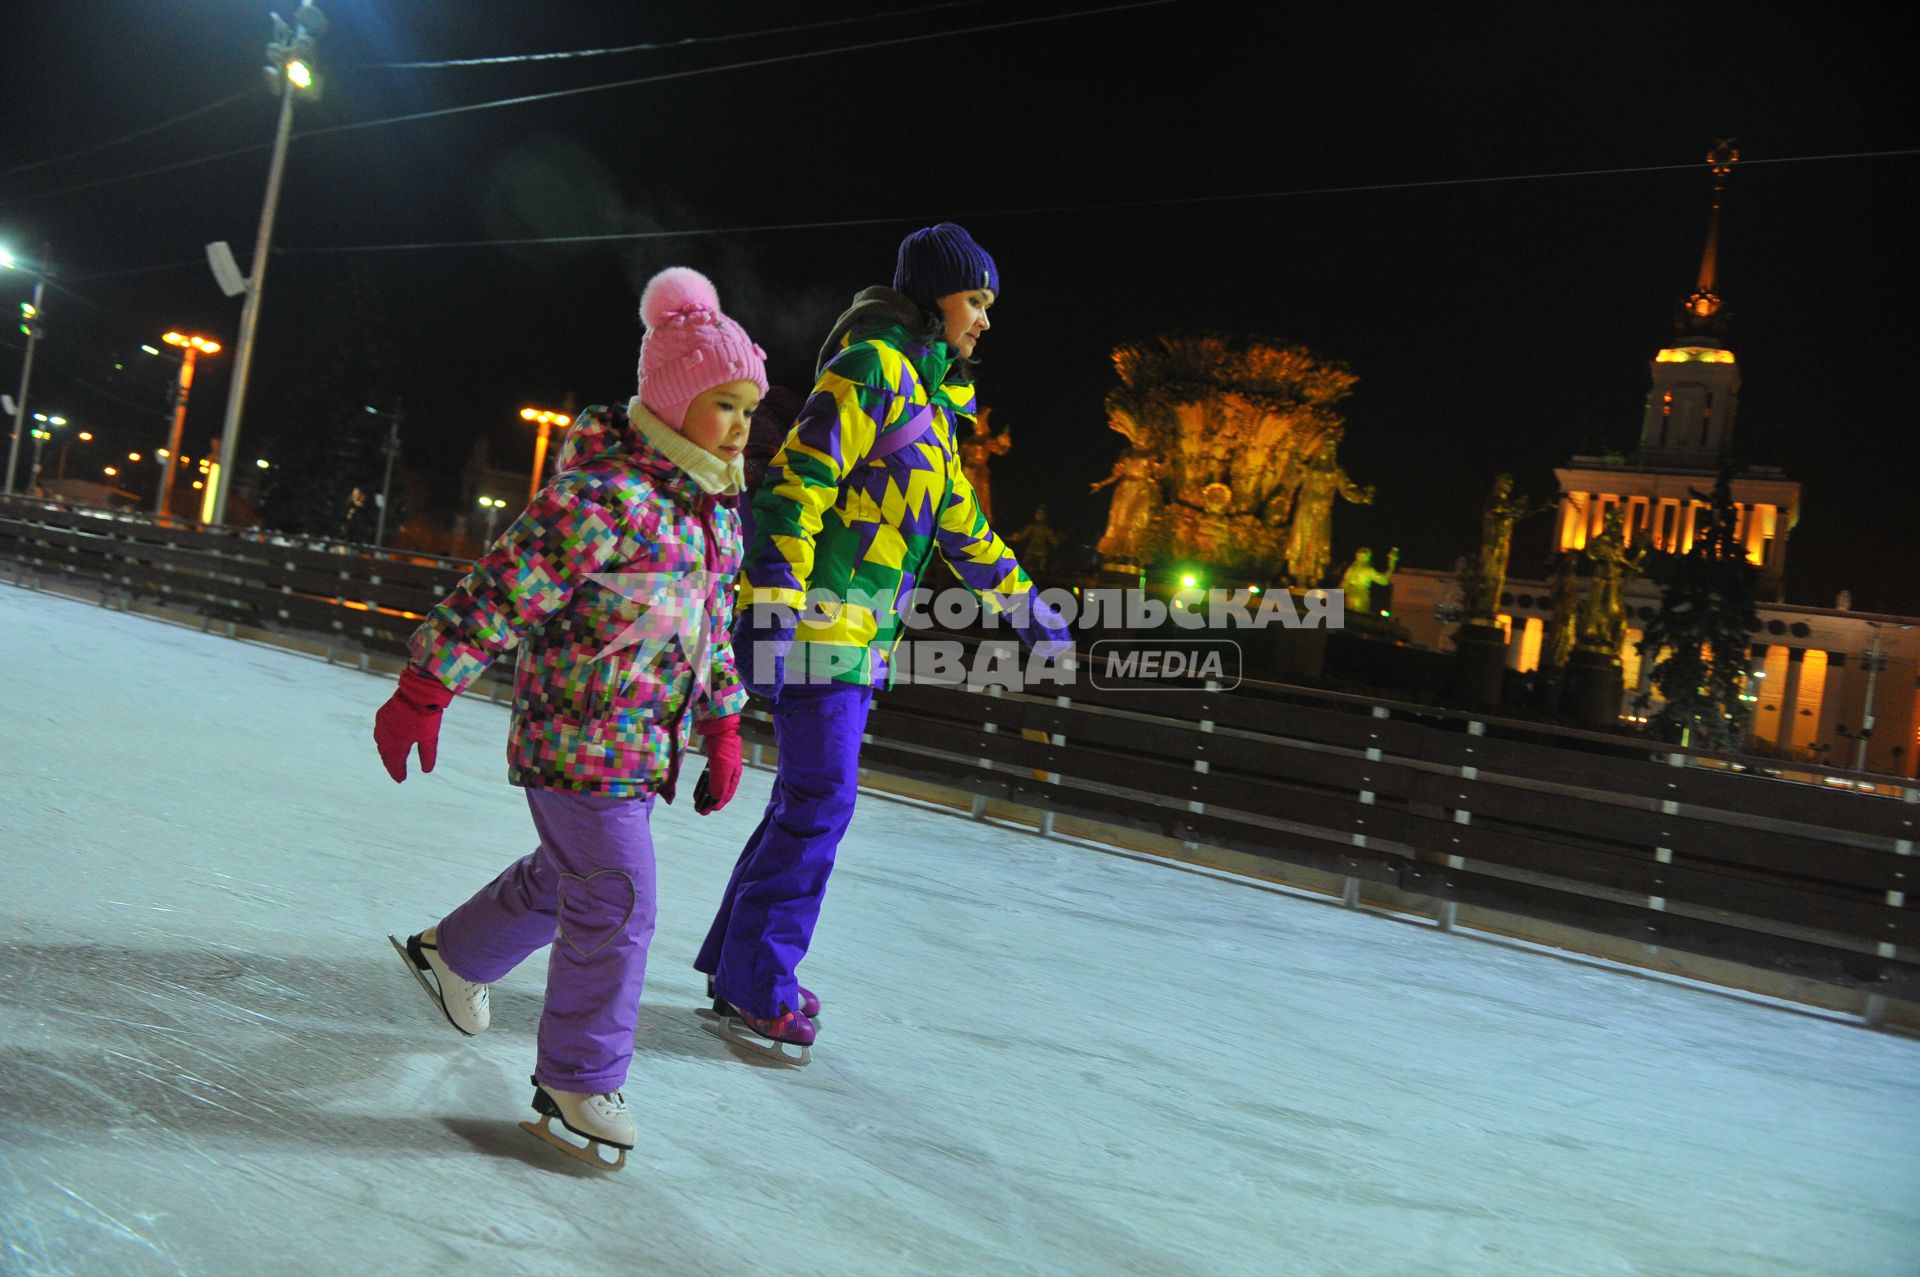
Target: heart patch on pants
(594, 910)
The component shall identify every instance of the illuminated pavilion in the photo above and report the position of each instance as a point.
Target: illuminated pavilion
(1820, 672)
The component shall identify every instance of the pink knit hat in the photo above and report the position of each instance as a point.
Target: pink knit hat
(690, 347)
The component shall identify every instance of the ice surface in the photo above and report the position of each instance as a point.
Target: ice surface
(1035, 1057)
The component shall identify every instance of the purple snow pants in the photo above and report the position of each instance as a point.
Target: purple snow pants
(588, 890)
(766, 918)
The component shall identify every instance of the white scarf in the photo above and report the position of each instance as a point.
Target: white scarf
(716, 475)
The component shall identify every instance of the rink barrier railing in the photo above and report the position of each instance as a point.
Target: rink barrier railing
(1676, 850)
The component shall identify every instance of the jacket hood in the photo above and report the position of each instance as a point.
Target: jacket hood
(597, 434)
(606, 436)
(879, 306)
(899, 321)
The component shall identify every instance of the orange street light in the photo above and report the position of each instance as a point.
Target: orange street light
(546, 420)
(191, 346)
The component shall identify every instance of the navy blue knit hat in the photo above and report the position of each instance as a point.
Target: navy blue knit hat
(940, 260)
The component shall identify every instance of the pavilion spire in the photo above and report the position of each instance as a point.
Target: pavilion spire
(1702, 314)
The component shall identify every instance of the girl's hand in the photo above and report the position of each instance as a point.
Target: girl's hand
(722, 777)
(410, 718)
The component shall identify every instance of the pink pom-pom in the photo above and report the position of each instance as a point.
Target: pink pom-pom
(674, 291)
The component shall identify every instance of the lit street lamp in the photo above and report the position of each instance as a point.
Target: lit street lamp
(191, 348)
(41, 434)
(546, 421)
(289, 68)
(493, 506)
(30, 318)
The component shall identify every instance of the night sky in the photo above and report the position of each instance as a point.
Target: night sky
(1496, 326)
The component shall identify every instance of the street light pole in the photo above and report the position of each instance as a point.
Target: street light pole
(493, 506)
(41, 433)
(30, 313)
(386, 480)
(546, 420)
(191, 347)
(290, 65)
(1866, 714)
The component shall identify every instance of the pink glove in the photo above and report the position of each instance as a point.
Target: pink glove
(411, 717)
(722, 777)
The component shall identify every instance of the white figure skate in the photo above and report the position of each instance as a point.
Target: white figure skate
(466, 1005)
(597, 1119)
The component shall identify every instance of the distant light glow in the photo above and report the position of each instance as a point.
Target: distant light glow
(1693, 355)
(301, 74)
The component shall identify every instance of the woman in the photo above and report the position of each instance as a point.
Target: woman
(866, 489)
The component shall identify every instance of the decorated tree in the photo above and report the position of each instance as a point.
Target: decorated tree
(1700, 637)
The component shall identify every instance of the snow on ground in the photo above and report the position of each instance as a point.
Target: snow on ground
(1035, 1057)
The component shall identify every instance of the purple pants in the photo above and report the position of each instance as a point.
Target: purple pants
(588, 890)
(766, 918)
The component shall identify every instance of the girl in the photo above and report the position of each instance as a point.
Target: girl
(866, 489)
(626, 541)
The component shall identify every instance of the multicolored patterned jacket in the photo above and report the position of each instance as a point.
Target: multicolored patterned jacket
(607, 725)
(830, 520)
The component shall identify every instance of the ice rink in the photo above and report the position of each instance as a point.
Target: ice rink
(1035, 1057)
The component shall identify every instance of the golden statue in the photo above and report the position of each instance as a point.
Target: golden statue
(1222, 429)
(1310, 534)
(1488, 575)
(1566, 596)
(981, 447)
(1036, 541)
(1136, 501)
(1361, 576)
(1601, 624)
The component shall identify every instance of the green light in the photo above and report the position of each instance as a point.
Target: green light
(1189, 581)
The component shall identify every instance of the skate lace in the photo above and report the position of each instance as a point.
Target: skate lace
(612, 1103)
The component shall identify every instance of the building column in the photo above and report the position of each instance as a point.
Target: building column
(1573, 510)
(1790, 700)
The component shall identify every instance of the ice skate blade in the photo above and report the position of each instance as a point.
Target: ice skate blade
(590, 1154)
(420, 978)
(734, 1032)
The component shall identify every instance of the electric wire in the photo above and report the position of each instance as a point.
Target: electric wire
(1102, 206)
(657, 45)
(605, 86)
(1029, 211)
(137, 133)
